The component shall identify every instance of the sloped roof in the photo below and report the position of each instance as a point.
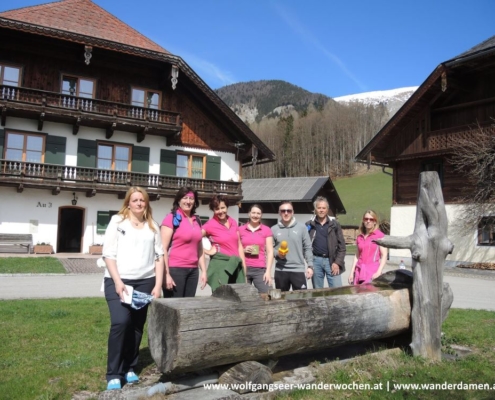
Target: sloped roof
(373, 152)
(83, 17)
(302, 189)
(63, 20)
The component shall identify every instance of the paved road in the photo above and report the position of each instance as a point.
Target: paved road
(472, 289)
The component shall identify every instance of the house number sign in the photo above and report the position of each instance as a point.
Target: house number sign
(44, 205)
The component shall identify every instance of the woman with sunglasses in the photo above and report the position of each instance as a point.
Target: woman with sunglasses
(182, 241)
(257, 242)
(370, 258)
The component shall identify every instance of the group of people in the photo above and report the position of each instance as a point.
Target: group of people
(171, 259)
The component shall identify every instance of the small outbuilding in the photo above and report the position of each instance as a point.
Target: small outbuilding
(301, 191)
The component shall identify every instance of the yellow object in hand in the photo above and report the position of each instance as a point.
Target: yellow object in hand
(284, 249)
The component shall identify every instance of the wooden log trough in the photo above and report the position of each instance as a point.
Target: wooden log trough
(236, 324)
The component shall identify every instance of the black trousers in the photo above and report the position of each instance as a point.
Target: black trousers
(126, 329)
(186, 282)
(284, 280)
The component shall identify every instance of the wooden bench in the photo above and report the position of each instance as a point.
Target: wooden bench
(15, 242)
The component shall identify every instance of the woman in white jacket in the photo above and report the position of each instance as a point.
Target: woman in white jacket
(133, 255)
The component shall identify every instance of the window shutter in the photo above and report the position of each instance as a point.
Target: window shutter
(2, 140)
(55, 150)
(168, 162)
(86, 153)
(213, 167)
(140, 159)
(102, 221)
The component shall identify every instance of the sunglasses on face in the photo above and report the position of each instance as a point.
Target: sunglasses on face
(369, 219)
(285, 211)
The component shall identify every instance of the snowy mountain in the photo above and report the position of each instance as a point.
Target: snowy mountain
(393, 99)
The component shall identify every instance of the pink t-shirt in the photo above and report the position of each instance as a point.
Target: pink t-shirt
(249, 237)
(185, 240)
(369, 256)
(226, 238)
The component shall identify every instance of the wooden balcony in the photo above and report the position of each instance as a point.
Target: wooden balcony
(80, 111)
(92, 181)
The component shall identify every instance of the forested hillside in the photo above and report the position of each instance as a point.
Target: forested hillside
(309, 133)
(318, 143)
(262, 98)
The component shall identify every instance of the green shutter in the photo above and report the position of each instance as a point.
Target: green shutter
(140, 159)
(168, 162)
(86, 153)
(2, 140)
(102, 221)
(213, 167)
(55, 150)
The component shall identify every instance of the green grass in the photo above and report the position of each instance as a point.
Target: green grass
(31, 265)
(51, 349)
(471, 328)
(360, 193)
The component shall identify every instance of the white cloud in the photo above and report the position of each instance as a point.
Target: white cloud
(308, 37)
(213, 75)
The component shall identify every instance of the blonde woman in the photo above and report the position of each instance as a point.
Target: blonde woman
(133, 255)
(370, 258)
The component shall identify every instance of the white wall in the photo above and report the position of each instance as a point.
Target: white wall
(466, 248)
(36, 211)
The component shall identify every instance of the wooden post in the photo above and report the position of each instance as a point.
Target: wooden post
(429, 247)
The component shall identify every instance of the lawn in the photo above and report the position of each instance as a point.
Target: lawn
(360, 193)
(52, 349)
(31, 265)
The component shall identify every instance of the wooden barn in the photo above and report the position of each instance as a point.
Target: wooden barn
(89, 107)
(452, 104)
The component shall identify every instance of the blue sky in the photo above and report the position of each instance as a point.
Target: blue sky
(326, 46)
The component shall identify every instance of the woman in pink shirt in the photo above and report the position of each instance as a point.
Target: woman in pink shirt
(181, 237)
(257, 242)
(370, 258)
(227, 263)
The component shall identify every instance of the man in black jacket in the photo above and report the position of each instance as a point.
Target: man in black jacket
(328, 246)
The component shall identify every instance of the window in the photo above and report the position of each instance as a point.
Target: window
(10, 75)
(102, 221)
(433, 165)
(24, 147)
(486, 231)
(145, 98)
(113, 156)
(190, 166)
(80, 87)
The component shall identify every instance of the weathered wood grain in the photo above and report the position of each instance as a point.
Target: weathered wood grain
(236, 325)
(429, 247)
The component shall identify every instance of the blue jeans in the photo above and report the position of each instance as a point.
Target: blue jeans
(322, 267)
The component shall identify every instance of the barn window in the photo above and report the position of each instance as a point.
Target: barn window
(10, 75)
(114, 156)
(433, 165)
(486, 231)
(76, 86)
(24, 147)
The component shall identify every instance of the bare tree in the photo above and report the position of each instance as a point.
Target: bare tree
(474, 158)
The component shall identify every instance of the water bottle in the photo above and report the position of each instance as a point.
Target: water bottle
(402, 265)
(160, 388)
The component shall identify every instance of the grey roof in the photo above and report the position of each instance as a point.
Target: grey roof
(279, 189)
(486, 46)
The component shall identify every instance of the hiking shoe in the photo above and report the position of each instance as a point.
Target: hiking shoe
(131, 377)
(114, 384)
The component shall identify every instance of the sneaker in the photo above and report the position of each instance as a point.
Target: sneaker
(114, 384)
(131, 377)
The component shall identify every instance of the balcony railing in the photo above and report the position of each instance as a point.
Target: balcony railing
(31, 174)
(93, 106)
